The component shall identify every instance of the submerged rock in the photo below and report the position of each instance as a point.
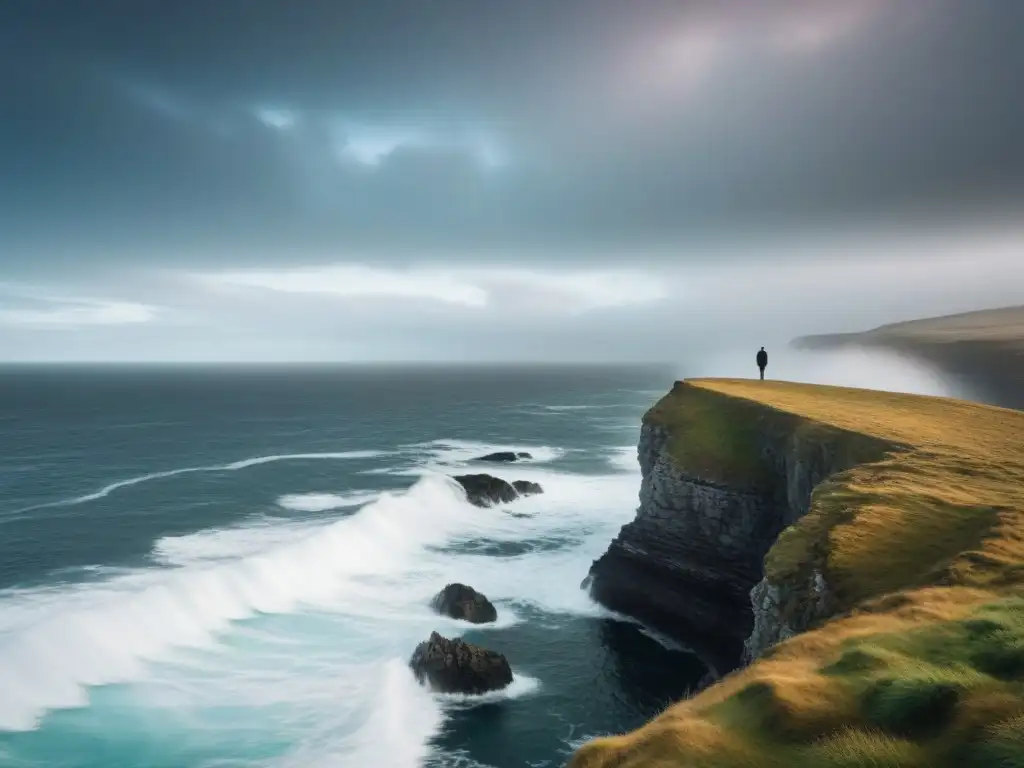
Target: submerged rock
(455, 666)
(505, 456)
(462, 602)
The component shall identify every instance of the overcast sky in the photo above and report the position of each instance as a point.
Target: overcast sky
(495, 180)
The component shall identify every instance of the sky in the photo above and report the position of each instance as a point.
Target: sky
(482, 180)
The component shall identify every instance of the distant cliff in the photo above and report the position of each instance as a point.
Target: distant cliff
(721, 479)
(982, 351)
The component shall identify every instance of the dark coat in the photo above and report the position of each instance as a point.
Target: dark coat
(762, 359)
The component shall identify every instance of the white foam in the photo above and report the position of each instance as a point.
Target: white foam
(400, 718)
(323, 502)
(230, 543)
(625, 459)
(343, 603)
(521, 686)
(457, 452)
(232, 467)
(99, 634)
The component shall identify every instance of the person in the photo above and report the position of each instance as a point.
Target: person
(762, 361)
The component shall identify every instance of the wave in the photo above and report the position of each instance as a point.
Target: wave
(521, 685)
(232, 467)
(102, 634)
(457, 452)
(438, 456)
(231, 543)
(323, 502)
(624, 459)
(308, 619)
(399, 718)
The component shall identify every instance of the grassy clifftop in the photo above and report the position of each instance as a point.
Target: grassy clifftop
(922, 541)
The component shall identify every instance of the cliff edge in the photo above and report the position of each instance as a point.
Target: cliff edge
(865, 550)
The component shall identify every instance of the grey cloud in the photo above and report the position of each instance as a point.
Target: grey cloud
(539, 160)
(132, 126)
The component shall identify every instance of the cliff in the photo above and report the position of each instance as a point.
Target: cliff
(865, 550)
(721, 479)
(983, 351)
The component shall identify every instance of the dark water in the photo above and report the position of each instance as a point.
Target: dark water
(230, 567)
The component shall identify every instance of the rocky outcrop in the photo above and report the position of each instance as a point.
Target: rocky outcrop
(455, 666)
(485, 490)
(461, 602)
(527, 488)
(691, 564)
(505, 456)
(782, 610)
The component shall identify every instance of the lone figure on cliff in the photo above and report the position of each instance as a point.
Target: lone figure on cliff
(762, 361)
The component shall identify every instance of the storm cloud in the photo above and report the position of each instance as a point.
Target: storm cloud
(390, 165)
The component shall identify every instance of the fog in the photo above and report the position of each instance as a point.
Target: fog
(852, 367)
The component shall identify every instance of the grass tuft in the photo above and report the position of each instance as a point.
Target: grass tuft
(910, 706)
(851, 748)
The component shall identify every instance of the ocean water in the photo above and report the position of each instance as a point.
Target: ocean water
(203, 567)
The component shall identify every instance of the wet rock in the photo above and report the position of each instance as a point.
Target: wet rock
(455, 666)
(527, 488)
(485, 490)
(462, 602)
(505, 456)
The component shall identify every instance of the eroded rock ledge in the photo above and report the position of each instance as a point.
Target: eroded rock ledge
(721, 479)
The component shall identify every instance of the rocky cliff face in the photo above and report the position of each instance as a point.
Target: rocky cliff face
(691, 564)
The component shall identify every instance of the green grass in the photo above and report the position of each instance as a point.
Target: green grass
(920, 534)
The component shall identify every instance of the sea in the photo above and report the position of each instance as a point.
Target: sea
(230, 567)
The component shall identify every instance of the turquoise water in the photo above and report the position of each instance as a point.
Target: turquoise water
(231, 567)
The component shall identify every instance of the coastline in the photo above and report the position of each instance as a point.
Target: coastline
(931, 486)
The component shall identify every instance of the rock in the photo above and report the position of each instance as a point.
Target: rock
(485, 490)
(526, 488)
(455, 666)
(505, 456)
(462, 602)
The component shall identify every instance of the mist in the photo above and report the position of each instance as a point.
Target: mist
(851, 367)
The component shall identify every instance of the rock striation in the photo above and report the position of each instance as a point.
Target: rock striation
(691, 563)
(455, 666)
(461, 602)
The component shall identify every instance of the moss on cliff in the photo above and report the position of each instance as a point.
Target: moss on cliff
(922, 541)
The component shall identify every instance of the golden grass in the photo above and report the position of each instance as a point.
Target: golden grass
(934, 493)
(921, 538)
(1003, 324)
